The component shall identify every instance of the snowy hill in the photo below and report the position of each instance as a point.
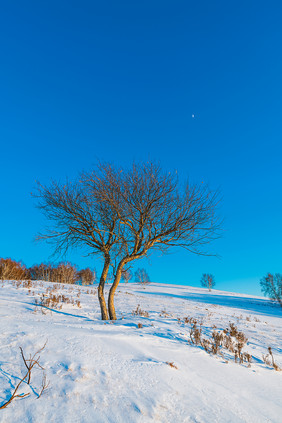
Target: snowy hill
(119, 373)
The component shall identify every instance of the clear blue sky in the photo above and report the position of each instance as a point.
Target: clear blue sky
(120, 81)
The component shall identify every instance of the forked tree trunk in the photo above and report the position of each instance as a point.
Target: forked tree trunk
(112, 291)
(103, 305)
(111, 305)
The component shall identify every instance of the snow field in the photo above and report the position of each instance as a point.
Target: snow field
(119, 373)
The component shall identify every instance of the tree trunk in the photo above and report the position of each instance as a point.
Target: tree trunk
(114, 286)
(103, 305)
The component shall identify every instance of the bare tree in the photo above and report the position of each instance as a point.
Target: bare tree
(156, 214)
(110, 277)
(142, 276)
(12, 270)
(87, 276)
(126, 275)
(65, 272)
(271, 286)
(207, 281)
(41, 272)
(81, 219)
(123, 214)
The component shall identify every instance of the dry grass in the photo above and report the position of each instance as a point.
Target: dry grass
(221, 341)
(140, 312)
(164, 313)
(52, 301)
(268, 359)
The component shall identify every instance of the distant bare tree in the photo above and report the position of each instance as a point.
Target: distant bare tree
(207, 281)
(110, 277)
(156, 214)
(271, 286)
(41, 272)
(80, 218)
(142, 276)
(126, 275)
(65, 272)
(87, 276)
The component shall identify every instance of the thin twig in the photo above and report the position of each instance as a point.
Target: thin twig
(29, 364)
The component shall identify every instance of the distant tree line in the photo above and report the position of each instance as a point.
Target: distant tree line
(63, 272)
(11, 269)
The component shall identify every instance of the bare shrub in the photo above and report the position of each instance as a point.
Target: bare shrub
(52, 301)
(139, 325)
(207, 281)
(241, 340)
(24, 284)
(216, 343)
(140, 312)
(268, 359)
(233, 330)
(230, 339)
(165, 314)
(90, 291)
(195, 330)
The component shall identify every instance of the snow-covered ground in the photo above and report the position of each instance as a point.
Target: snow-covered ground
(117, 372)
